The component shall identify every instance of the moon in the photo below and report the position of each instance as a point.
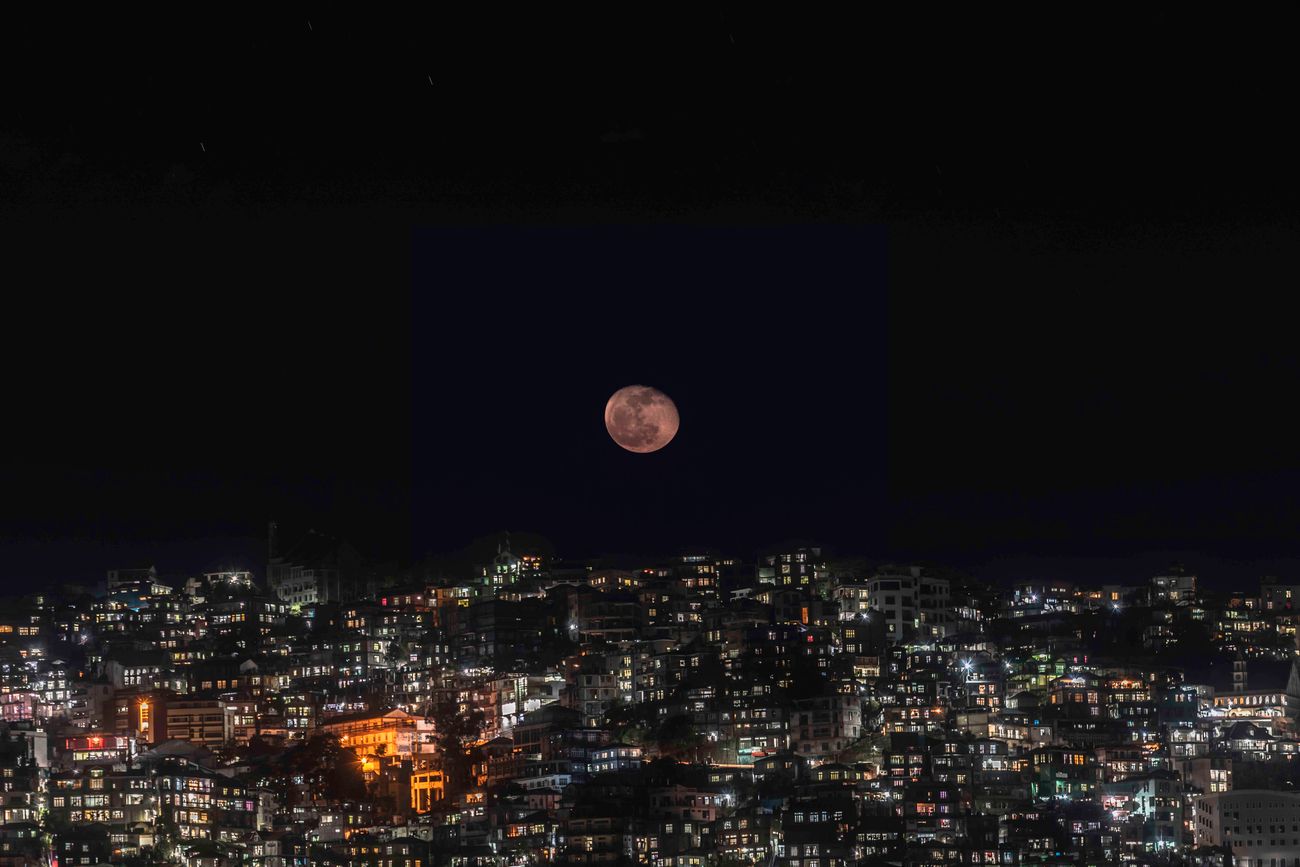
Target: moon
(641, 419)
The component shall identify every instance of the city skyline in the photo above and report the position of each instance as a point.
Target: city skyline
(521, 711)
(681, 436)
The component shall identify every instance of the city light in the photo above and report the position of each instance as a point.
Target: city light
(394, 719)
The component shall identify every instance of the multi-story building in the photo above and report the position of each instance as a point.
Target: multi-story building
(911, 602)
(24, 763)
(145, 579)
(387, 735)
(1175, 587)
(318, 570)
(120, 799)
(185, 797)
(825, 725)
(82, 751)
(1154, 798)
(1260, 828)
(799, 568)
(199, 721)
(1279, 596)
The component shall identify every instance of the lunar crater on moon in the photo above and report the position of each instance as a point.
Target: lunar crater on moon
(641, 419)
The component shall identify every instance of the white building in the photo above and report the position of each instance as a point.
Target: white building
(912, 603)
(1260, 828)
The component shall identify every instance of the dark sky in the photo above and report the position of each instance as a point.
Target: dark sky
(1010, 293)
(772, 342)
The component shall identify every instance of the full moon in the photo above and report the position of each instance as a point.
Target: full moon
(641, 419)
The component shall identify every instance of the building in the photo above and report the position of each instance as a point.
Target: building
(426, 790)
(199, 721)
(132, 578)
(911, 602)
(1261, 828)
(1175, 587)
(802, 568)
(1206, 775)
(97, 749)
(392, 734)
(825, 725)
(118, 799)
(1279, 596)
(1154, 798)
(615, 757)
(508, 570)
(319, 569)
(185, 797)
(231, 580)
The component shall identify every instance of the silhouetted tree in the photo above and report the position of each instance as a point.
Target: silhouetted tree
(326, 769)
(630, 723)
(678, 737)
(456, 733)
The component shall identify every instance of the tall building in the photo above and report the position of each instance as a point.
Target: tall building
(801, 567)
(701, 573)
(912, 603)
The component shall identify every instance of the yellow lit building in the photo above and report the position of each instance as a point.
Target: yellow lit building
(426, 789)
(393, 734)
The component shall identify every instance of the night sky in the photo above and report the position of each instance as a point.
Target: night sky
(1008, 294)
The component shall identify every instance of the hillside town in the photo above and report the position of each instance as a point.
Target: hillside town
(789, 709)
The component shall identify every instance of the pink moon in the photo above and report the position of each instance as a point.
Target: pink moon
(641, 419)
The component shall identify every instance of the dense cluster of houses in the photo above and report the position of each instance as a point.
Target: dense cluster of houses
(797, 711)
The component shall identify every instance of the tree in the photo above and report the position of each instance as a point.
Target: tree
(166, 836)
(294, 624)
(397, 654)
(807, 680)
(1191, 634)
(326, 769)
(678, 736)
(456, 733)
(775, 785)
(629, 723)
